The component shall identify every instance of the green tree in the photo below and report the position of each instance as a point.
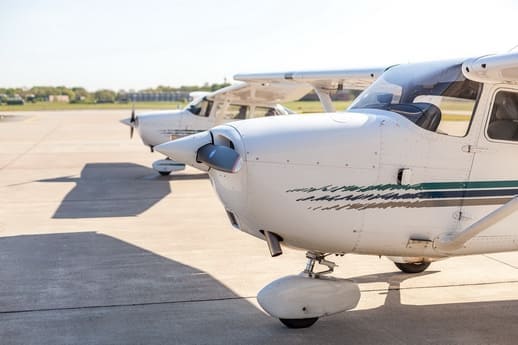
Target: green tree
(65, 91)
(82, 95)
(104, 96)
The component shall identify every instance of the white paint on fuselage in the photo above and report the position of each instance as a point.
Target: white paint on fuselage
(283, 154)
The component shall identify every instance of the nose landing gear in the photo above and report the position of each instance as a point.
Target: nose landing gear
(313, 258)
(298, 301)
(166, 166)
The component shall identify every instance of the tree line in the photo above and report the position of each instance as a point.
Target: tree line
(81, 95)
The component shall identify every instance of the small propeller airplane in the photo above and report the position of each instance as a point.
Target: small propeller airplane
(208, 109)
(419, 168)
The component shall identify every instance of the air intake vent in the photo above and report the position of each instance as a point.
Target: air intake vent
(232, 219)
(223, 140)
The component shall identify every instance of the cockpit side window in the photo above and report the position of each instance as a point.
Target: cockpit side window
(201, 108)
(264, 111)
(456, 113)
(233, 112)
(503, 123)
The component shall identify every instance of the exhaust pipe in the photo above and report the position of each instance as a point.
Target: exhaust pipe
(273, 241)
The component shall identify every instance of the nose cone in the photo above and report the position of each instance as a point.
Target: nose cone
(221, 149)
(185, 150)
(127, 122)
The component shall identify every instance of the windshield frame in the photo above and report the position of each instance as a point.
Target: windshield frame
(417, 91)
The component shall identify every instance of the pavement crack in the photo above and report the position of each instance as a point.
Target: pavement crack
(122, 305)
(45, 136)
(500, 261)
(125, 305)
(440, 286)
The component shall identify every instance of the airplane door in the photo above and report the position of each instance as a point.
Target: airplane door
(434, 168)
(494, 175)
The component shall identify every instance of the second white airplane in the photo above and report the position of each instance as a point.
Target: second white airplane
(235, 102)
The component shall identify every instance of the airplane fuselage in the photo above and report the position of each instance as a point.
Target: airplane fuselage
(368, 182)
(160, 127)
(420, 167)
(356, 203)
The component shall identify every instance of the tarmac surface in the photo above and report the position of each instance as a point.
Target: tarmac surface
(96, 248)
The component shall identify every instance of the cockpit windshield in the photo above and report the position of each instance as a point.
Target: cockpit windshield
(435, 96)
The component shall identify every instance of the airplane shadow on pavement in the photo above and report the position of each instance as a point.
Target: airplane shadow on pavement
(114, 190)
(90, 288)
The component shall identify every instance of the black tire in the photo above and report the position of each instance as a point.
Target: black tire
(164, 173)
(299, 323)
(417, 267)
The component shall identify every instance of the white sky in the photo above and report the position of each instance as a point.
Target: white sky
(137, 44)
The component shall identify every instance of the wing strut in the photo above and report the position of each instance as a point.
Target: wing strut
(453, 241)
(325, 100)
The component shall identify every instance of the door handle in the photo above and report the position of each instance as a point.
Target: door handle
(404, 176)
(473, 149)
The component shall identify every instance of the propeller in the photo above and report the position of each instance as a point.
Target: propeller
(219, 157)
(133, 119)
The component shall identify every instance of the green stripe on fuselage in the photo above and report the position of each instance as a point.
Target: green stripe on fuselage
(467, 185)
(418, 186)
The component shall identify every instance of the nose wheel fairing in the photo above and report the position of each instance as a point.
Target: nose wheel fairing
(166, 166)
(299, 300)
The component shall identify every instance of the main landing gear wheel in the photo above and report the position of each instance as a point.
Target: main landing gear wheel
(299, 323)
(416, 267)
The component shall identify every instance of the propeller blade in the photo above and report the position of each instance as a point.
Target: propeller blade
(133, 120)
(219, 157)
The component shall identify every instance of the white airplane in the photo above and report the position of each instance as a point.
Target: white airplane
(208, 109)
(419, 168)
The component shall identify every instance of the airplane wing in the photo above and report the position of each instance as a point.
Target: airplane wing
(499, 68)
(323, 82)
(261, 93)
(198, 94)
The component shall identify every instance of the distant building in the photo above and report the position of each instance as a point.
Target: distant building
(59, 98)
(173, 96)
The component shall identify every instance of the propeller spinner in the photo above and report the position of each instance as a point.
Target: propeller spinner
(199, 150)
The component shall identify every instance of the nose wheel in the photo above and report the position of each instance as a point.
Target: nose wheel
(416, 267)
(299, 323)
